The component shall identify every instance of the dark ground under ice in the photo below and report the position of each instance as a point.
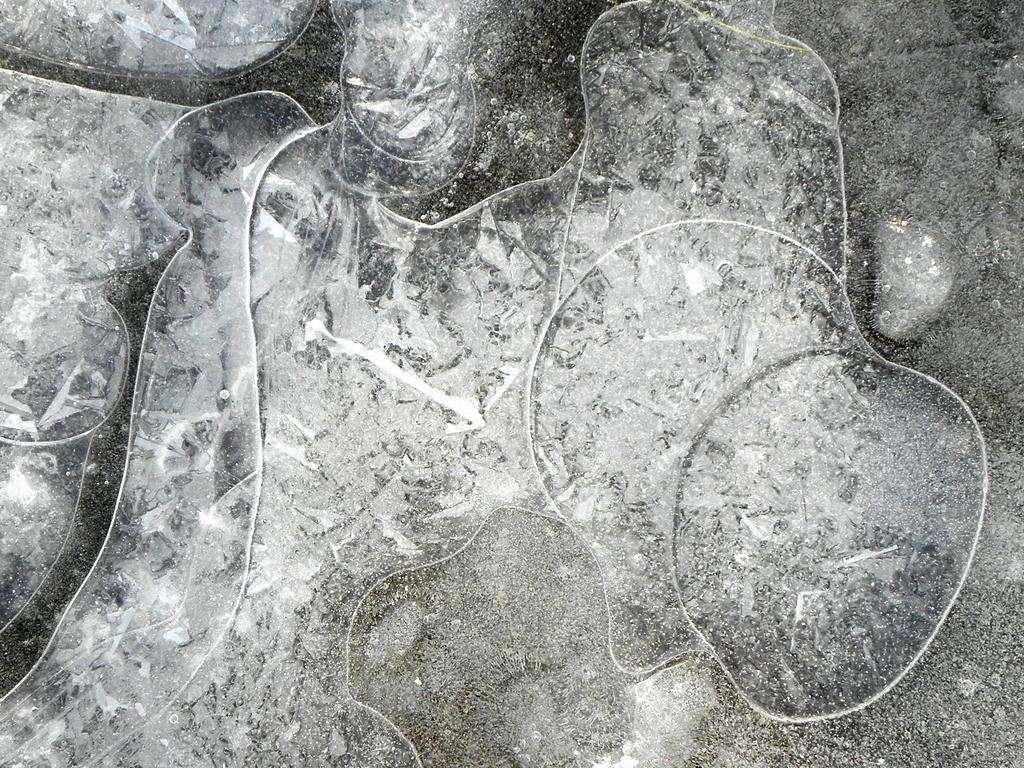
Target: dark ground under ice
(933, 130)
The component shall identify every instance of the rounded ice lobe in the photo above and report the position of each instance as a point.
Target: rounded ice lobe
(917, 268)
(76, 214)
(170, 38)
(827, 516)
(409, 110)
(496, 656)
(830, 501)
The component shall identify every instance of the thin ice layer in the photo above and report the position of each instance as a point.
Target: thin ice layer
(424, 433)
(419, 344)
(386, 413)
(498, 656)
(239, 668)
(75, 214)
(934, 149)
(705, 111)
(420, 341)
(522, 62)
(167, 584)
(829, 502)
(409, 109)
(821, 546)
(166, 38)
(692, 116)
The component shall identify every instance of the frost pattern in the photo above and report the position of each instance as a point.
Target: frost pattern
(75, 214)
(409, 107)
(167, 583)
(423, 340)
(168, 38)
(706, 386)
(479, 663)
(460, 369)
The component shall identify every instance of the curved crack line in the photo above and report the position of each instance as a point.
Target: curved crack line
(939, 623)
(255, 475)
(201, 74)
(632, 677)
(121, 389)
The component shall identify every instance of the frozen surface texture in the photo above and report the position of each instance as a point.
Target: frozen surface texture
(168, 581)
(426, 341)
(445, 322)
(819, 541)
(167, 38)
(487, 491)
(75, 212)
(740, 127)
(931, 124)
(706, 114)
(480, 663)
(409, 108)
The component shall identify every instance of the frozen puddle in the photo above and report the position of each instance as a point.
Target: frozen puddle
(493, 491)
